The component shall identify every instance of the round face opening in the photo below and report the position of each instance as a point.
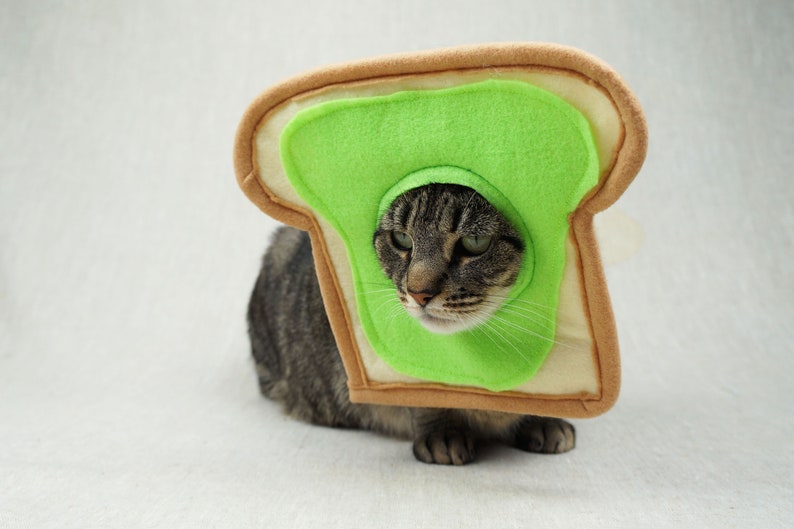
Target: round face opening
(451, 255)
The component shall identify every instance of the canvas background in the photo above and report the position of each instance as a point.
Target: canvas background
(127, 253)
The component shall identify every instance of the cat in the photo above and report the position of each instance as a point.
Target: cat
(452, 258)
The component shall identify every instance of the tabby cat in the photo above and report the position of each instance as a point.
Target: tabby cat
(452, 258)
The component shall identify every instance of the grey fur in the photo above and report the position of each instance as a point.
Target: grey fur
(296, 358)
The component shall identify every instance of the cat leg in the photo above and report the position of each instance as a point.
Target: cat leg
(545, 435)
(441, 438)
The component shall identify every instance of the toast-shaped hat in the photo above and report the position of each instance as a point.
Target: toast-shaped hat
(547, 134)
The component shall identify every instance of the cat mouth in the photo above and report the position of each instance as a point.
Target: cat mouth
(439, 318)
(443, 320)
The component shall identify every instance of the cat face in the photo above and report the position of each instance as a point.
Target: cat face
(451, 255)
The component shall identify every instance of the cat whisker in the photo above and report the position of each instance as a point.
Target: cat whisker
(394, 313)
(384, 294)
(531, 332)
(528, 313)
(379, 291)
(524, 301)
(509, 324)
(481, 327)
(488, 323)
(385, 303)
(525, 305)
(390, 314)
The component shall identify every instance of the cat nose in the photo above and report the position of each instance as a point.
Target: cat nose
(422, 298)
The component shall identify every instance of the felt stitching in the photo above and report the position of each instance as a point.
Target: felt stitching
(430, 386)
(594, 349)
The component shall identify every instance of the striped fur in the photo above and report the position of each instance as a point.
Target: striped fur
(438, 280)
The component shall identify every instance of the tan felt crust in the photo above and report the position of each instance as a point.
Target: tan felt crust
(628, 158)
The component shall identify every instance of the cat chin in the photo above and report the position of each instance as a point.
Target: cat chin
(443, 326)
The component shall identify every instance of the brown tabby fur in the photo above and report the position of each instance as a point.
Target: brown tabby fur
(438, 281)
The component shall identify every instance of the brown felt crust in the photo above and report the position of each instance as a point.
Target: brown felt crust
(629, 156)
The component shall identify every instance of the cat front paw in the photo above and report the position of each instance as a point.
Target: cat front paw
(545, 435)
(450, 447)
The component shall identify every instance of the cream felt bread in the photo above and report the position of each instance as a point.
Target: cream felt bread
(547, 134)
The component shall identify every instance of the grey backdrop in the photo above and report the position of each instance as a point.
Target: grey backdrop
(127, 253)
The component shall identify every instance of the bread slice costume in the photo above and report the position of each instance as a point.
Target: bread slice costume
(548, 134)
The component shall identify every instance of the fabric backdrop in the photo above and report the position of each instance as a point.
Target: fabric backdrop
(127, 254)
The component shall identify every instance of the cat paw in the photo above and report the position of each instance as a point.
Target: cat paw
(545, 435)
(445, 448)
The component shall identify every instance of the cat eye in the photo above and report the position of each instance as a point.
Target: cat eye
(402, 240)
(475, 244)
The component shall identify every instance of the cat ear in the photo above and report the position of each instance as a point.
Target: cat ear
(580, 378)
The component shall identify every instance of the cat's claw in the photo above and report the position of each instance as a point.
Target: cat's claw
(545, 435)
(445, 448)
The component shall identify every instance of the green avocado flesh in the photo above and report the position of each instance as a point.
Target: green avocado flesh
(527, 151)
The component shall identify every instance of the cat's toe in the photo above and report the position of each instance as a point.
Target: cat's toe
(546, 435)
(445, 448)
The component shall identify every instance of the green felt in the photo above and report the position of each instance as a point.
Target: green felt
(526, 150)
